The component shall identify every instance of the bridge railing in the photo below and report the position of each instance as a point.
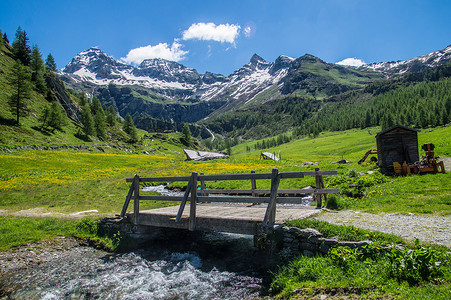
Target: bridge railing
(193, 195)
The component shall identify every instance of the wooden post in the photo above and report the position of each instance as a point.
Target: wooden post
(253, 185)
(127, 199)
(270, 216)
(182, 204)
(202, 186)
(192, 210)
(136, 199)
(318, 180)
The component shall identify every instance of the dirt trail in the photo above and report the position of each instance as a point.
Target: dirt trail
(40, 212)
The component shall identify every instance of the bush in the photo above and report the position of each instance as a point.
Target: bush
(332, 202)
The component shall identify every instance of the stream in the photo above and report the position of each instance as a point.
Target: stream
(179, 265)
(197, 266)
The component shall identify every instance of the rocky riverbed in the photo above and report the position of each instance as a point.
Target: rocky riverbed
(212, 266)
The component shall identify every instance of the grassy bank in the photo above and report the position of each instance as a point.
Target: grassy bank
(18, 231)
(387, 269)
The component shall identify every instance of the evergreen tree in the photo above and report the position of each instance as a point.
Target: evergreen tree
(50, 64)
(5, 38)
(111, 116)
(20, 82)
(88, 121)
(96, 106)
(54, 117)
(37, 69)
(21, 49)
(186, 135)
(100, 124)
(129, 128)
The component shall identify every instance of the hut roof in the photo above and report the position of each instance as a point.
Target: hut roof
(395, 127)
(203, 155)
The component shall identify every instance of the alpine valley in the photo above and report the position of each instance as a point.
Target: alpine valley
(159, 89)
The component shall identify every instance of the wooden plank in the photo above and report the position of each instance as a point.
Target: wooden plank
(253, 185)
(304, 191)
(203, 187)
(232, 199)
(127, 200)
(136, 199)
(185, 197)
(291, 175)
(193, 203)
(271, 209)
(161, 179)
(160, 198)
(318, 186)
(258, 200)
(314, 173)
(235, 176)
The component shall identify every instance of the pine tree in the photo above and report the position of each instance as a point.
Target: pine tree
(111, 116)
(53, 116)
(96, 106)
(100, 124)
(21, 49)
(20, 81)
(129, 128)
(5, 38)
(50, 64)
(186, 135)
(87, 120)
(37, 69)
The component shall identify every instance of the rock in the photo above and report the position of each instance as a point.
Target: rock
(308, 163)
(341, 161)
(354, 245)
(305, 233)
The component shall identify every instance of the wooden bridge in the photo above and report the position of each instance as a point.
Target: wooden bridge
(218, 210)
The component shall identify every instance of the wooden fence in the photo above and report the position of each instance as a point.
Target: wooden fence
(195, 195)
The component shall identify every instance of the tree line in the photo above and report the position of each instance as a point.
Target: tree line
(30, 72)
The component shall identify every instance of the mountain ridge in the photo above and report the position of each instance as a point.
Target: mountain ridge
(258, 81)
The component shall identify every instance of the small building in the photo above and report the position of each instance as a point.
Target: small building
(396, 144)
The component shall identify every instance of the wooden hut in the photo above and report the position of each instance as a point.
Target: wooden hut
(396, 144)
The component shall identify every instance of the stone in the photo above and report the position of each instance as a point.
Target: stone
(305, 233)
(324, 248)
(354, 245)
(308, 253)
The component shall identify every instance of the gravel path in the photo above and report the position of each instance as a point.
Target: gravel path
(432, 229)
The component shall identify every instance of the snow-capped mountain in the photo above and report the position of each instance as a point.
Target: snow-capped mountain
(172, 79)
(168, 90)
(399, 68)
(96, 67)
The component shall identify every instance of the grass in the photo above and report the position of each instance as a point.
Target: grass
(70, 181)
(20, 231)
(384, 269)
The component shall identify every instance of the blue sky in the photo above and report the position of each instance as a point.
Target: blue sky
(221, 36)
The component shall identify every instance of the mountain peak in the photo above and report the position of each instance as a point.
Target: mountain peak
(255, 59)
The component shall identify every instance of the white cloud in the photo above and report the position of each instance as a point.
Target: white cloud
(162, 50)
(352, 61)
(224, 33)
(247, 31)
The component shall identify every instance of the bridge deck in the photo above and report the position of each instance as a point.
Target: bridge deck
(233, 218)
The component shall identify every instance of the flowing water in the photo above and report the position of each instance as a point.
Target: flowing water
(220, 269)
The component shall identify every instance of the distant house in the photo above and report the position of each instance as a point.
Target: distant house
(396, 144)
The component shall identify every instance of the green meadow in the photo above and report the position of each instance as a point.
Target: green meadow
(71, 181)
(68, 181)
